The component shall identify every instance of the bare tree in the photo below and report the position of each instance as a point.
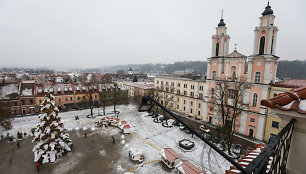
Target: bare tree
(115, 89)
(228, 103)
(5, 114)
(89, 99)
(165, 96)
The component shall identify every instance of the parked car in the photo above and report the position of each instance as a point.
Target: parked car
(182, 127)
(216, 139)
(208, 136)
(154, 115)
(237, 148)
(187, 131)
(204, 129)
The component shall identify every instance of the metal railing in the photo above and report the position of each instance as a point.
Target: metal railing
(278, 148)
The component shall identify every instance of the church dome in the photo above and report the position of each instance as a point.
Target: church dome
(221, 23)
(268, 10)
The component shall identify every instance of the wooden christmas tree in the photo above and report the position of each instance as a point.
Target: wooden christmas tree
(52, 142)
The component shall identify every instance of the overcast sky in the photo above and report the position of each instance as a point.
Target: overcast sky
(90, 34)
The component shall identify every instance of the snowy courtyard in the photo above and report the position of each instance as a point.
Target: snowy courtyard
(98, 154)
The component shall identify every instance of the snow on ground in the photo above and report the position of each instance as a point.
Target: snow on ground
(143, 126)
(162, 137)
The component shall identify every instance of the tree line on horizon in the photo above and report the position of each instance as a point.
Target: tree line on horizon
(286, 69)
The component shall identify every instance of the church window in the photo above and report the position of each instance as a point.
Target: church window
(255, 98)
(233, 72)
(212, 92)
(272, 44)
(257, 77)
(262, 45)
(217, 49)
(214, 74)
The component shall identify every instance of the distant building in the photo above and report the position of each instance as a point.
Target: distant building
(137, 89)
(130, 72)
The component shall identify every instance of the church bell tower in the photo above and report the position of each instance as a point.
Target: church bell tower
(220, 40)
(265, 34)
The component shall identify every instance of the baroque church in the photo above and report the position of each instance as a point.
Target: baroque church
(258, 71)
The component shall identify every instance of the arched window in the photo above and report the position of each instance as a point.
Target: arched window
(217, 49)
(233, 72)
(254, 101)
(262, 45)
(257, 77)
(212, 93)
(272, 44)
(214, 75)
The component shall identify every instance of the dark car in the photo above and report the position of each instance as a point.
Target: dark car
(154, 115)
(187, 131)
(208, 136)
(216, 139)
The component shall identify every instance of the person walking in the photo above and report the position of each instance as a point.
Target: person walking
(37, 166)
(129, 153)
(18, 145)
(113, 139)
(85, 135)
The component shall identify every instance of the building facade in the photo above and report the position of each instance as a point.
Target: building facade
(257, 72)
(181, 94)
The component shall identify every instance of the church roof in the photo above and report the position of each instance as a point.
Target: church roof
(235, 54)
(221, 23)
(130, 69)
(268, 10)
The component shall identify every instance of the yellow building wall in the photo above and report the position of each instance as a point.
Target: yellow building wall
(270, 118)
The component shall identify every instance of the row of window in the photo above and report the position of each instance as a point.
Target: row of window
(191, 110)
(191, 94)
(179, 85)
(232, 93)
(257, 77)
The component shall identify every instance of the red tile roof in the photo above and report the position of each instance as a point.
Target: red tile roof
(171, 155)
(117, 119)
(293, 83)
(291, 100)
(190, 168)
(123, 122)
(127, 126)
(247, 158)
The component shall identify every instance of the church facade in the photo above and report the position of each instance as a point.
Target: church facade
(258, 71)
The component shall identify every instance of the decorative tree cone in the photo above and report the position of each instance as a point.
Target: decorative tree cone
(51, 141)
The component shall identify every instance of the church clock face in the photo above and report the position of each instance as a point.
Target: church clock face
(263, 31)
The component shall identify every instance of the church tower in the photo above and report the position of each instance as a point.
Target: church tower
(262, 65)
(265, 34)
(220, 40)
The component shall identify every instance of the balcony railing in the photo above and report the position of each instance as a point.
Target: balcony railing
(272, 159)
(278, 149)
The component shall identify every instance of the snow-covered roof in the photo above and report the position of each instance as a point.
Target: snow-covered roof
(126, 126)
(186, 167)
(27, 88)
(9, 89)
(248, 158)
(169, 154)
